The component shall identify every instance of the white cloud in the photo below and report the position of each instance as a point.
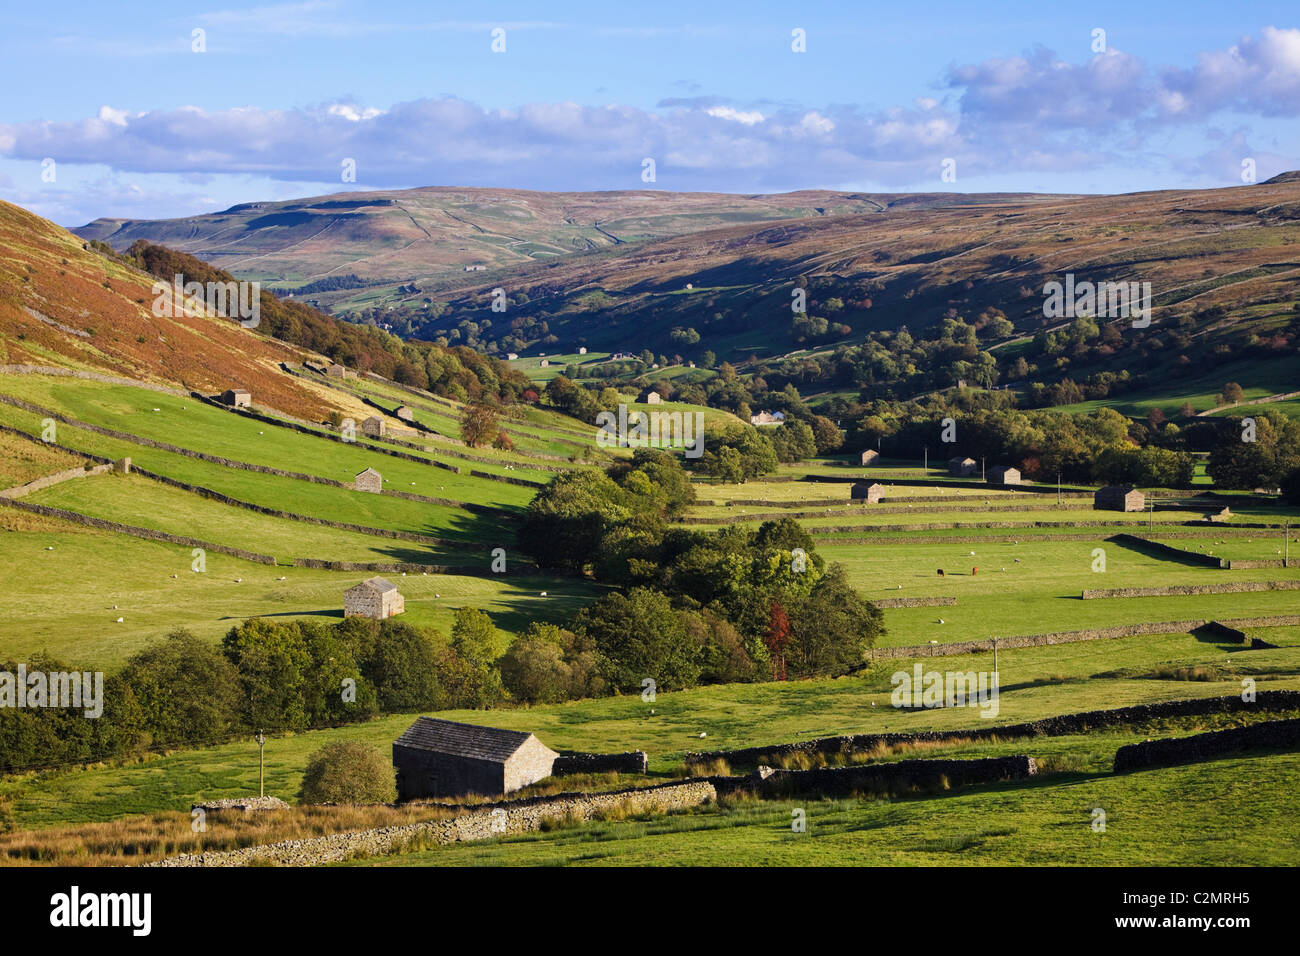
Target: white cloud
(748, 118)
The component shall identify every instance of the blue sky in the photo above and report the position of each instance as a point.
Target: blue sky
(1019, 96)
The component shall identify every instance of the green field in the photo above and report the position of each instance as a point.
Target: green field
(68, 585)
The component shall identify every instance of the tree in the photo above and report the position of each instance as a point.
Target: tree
(349, 773)
(272, 660)
(1232, 394)
(476, 682)
(479, 424)
(640, 636)
(187, 691)
(831, 630)
(403, 670)
(778, 639)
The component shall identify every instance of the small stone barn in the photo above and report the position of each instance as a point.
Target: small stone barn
(236, 398)
(369, 480)
(1118, 498)
(868, 492)
(650, 397)
(961, 467)
(870, 456)
(339, 371)
(376, 598)
(373, 426)
(405, 413)
(1004, 475)
(443, 758)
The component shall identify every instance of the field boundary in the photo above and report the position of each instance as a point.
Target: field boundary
(1071, 637)
(1213, 745)
(136, 532)
(1187, 590)
(1269, 701)
(491, 820)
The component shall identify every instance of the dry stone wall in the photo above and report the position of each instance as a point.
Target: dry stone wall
(915, 602)
(1267, 735)
(47, 481)
(1185, 590)
(515, 816)
(884, 777)
(1269, 701)
(569, 762)
(147, 533)
(1069, 637)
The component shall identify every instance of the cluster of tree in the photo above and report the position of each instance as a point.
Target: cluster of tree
(456, 372)
(266, 675)
(692, 606)
(1259, 452)
(1095, 447)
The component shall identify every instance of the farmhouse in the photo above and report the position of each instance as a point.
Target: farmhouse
(376, 598)
(511, 356)
(442, 758)
(767, 418)
(1118, 498)
(373, 426)
(1004, 475)
(405, 413)
(650, 397)
(236, 398)
(870, 493)
(961, 467)
(369, 480)
(870, 456)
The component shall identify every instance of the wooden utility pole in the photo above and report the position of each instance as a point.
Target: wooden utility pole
(926, 463)
(261, 763)
(1286, 544)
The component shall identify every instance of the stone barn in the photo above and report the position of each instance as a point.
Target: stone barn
(369, 480)
(405, 413)
(376, 598)
(1004, 475)
(650, 397)
(870, 493)
(961, 467)
(1118, 498)
(339, 371)
(373, 426)
(443, 758)
(870, 456)
(236, 398)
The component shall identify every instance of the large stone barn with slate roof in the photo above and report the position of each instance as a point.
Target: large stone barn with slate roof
(443, 758)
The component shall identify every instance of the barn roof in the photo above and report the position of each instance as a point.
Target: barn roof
(462, 740)
(382, 585)
(369, 471)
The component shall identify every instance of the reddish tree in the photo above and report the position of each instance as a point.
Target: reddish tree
(778, 639)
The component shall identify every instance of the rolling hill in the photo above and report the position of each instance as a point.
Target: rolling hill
(332, 246)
